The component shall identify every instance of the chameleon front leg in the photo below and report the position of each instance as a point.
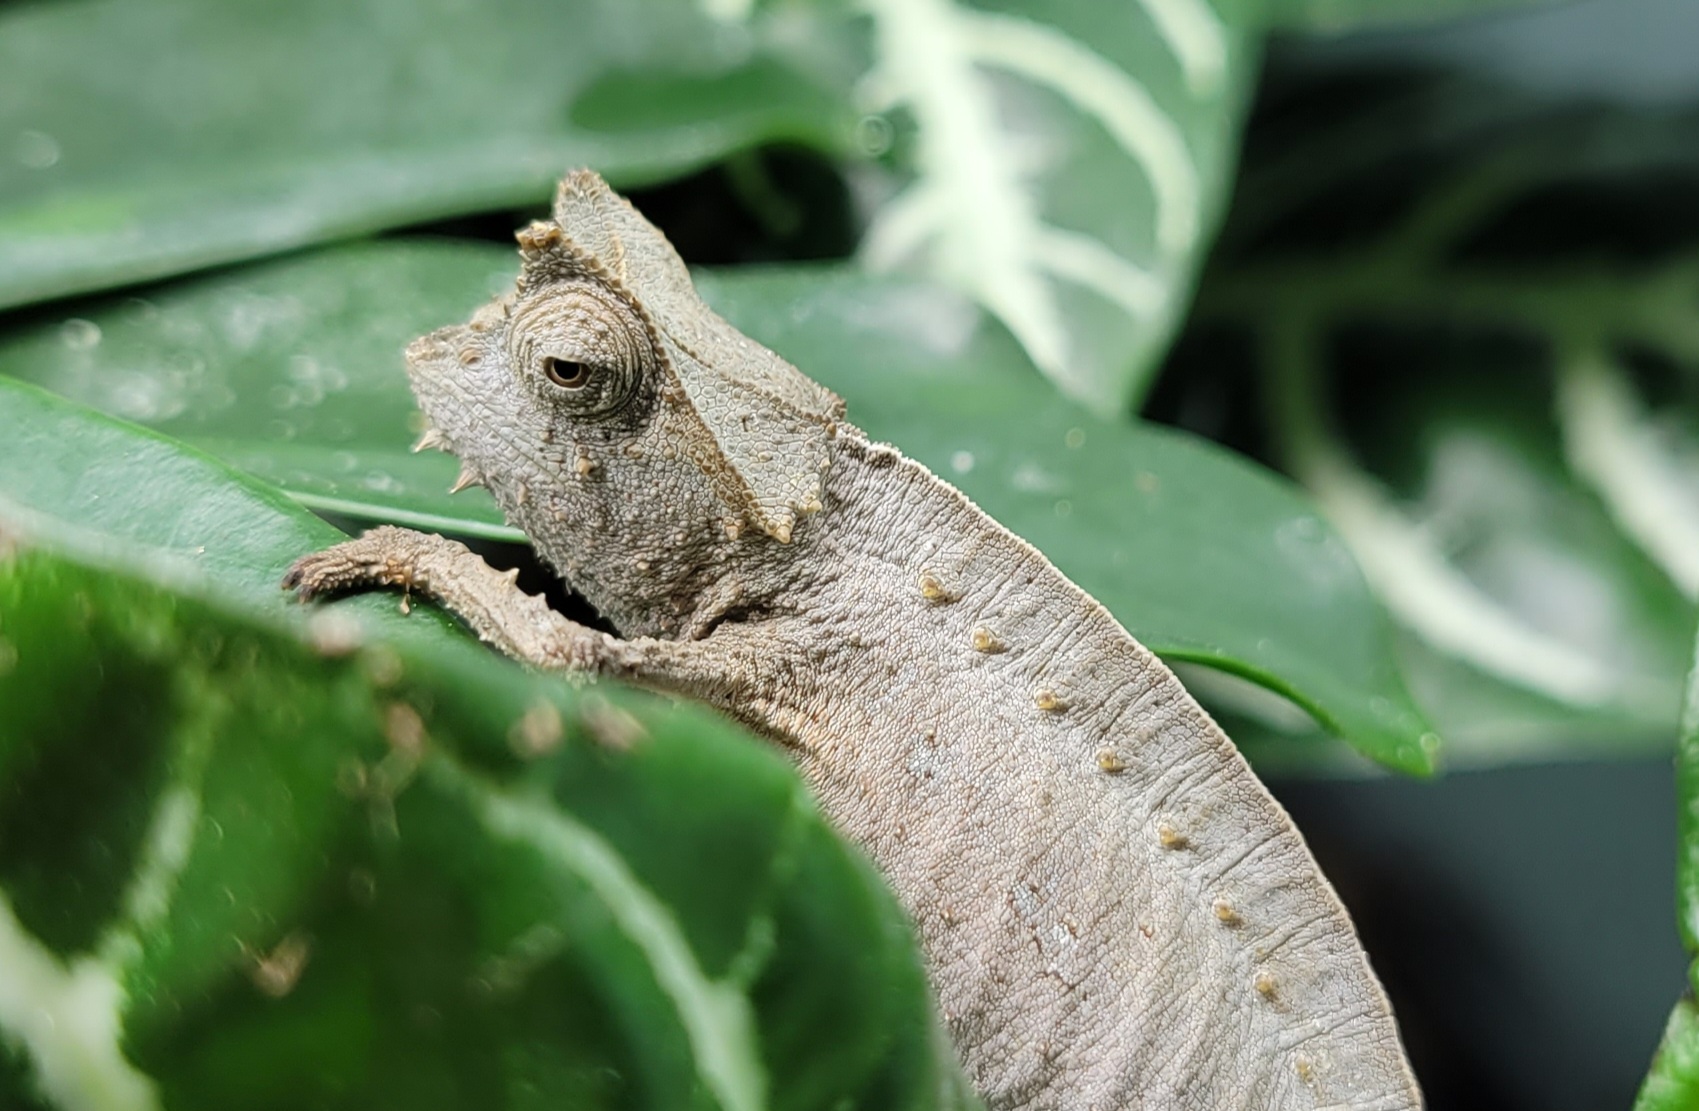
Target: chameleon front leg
(519, 624)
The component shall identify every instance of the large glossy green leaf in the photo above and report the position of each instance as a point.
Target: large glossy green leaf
(292, 371)
(145, 139)
(252, 859)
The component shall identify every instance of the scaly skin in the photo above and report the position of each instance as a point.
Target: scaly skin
(1114, 911)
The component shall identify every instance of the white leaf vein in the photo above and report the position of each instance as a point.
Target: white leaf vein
(67, 1019)
(1612, 445)
(716, 1018)
(972, 214)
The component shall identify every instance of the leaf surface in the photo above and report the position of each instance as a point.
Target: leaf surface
(1673, 1082)
(156, 138)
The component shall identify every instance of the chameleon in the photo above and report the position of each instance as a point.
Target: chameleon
(1113, 911)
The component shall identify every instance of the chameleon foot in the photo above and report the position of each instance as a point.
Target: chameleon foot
(448, 572)
(385, 556)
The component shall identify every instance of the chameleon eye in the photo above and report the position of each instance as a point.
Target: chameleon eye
(566, 373)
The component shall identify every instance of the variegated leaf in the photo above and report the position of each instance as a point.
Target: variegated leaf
(1066, 168)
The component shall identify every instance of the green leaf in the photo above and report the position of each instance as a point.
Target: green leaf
(292, 371)
(1673, 1082)
(1480, 365)
(1486, 721)
(1472, 528)
(1064, 165)
(267, 859)
(156, 138)
(1687, 819)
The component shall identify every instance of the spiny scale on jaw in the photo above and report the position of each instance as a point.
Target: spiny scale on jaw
(468, 478)
(432, 438)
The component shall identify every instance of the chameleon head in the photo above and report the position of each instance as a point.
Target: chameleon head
(602, 395)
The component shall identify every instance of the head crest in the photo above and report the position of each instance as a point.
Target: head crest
(766, 424)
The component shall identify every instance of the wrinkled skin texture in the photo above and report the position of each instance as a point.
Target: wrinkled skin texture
(1114, 911)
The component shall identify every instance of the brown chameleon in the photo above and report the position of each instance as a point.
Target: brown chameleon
(1114, 912)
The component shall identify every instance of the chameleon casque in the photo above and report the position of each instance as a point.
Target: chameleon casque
(1114, 911)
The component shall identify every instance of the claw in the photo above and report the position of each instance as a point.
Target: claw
(297, 579)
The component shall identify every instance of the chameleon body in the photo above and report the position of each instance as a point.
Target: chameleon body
(1114, 911)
